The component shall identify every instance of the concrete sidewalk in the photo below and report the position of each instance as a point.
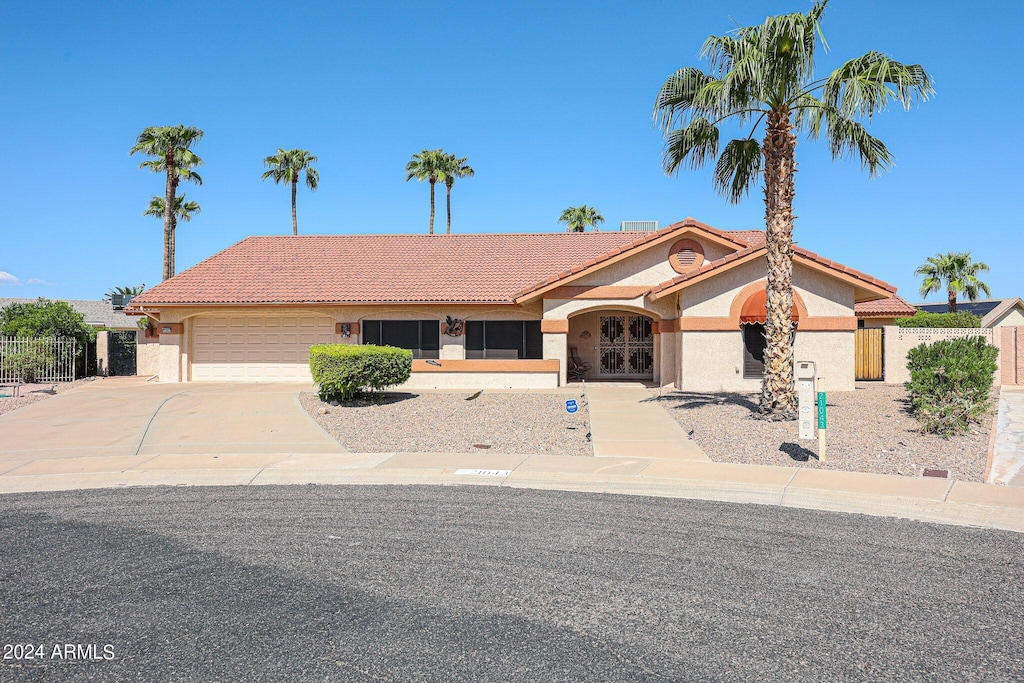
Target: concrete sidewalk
(1008, 447)
(926, 499)
(128, 432)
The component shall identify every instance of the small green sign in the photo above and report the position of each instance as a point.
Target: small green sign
(822, 420)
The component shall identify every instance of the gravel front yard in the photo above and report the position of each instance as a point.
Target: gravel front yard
(869, 430)
(430, 422)
(33, 393)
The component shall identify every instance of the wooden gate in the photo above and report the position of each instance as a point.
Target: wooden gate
(868, 353)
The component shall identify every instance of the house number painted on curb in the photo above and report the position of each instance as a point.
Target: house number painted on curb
(571, 406)
(486, 473)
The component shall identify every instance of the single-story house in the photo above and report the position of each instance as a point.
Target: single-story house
(683, 306)
(97, 313)
(993, 312)
(883, 312)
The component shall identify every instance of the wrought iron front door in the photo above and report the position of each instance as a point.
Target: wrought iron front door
(627, 346)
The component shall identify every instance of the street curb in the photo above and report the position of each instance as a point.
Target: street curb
(939, 501)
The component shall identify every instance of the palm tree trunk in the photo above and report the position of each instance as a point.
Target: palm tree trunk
(951, 302)
(295, 220)
(778, 394)
(169, 218)
(432, 181)
(448, 199)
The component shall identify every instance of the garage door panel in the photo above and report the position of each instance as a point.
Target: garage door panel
(256, 348)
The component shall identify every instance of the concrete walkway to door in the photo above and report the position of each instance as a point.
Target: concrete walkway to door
(623, 422)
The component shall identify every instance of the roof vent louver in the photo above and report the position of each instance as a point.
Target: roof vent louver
(638, 226)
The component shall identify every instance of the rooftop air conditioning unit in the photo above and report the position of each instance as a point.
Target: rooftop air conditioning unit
(119, 301)
(638, 226)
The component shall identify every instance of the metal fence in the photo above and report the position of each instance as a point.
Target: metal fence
(47, 359)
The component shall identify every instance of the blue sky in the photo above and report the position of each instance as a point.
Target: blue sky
(551, 103)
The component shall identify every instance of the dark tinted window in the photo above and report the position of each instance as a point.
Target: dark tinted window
(753, 351)
(510, 339)
(422, 337)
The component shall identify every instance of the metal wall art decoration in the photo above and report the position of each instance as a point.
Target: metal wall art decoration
(346, 330)
(453, 327)
(585, 334)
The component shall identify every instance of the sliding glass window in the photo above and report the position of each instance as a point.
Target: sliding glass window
(508, 339)
(422, 337)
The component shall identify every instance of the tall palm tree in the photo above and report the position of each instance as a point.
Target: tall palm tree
(453, 167)
(577, 218)
(285, 167)
(427, 165)
(764, 74)
(184, 209)
(171, 149)
(956, 273)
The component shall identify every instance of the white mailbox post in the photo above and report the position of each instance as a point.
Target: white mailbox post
(806, 393)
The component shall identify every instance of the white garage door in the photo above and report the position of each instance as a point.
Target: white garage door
(262, 348)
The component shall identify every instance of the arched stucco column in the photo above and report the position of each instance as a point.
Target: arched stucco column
(556, 336)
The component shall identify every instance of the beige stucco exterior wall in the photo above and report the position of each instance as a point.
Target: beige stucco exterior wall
(147, 358)
(833, 356)
(713, 361)
(1013, 318)
(879, 322)
(650, 267)
(899, 340)
(824, 296)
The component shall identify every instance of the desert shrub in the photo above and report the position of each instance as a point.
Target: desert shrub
(30, 362)
(950, 383)
(342, 371)
(924, 319)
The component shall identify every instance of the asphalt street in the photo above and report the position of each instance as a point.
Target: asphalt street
(404, 583)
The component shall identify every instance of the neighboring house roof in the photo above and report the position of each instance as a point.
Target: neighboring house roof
(989, 310)
(393, 269)
(893, 307)
(96, 313)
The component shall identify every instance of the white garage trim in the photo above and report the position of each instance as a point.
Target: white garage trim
(254, 347)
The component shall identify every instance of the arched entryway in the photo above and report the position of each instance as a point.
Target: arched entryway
(611, 344)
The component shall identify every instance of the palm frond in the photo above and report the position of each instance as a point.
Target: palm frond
(738, 168)
(694, 145)
(867, 84)
(848, 138)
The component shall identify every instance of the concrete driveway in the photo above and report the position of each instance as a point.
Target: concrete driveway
(116, 424)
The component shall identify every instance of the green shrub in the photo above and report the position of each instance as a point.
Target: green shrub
(950, 383)
(30, 362)
(344, 370)
(924, 319)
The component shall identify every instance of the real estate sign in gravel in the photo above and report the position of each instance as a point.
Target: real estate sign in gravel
(869, 430)
(444, 422)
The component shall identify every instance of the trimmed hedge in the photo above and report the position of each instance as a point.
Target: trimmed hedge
(342, 371)
(951, 383)
(925, 319)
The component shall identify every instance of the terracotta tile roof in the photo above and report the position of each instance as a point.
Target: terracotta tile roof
(739, 238)
(893, 307)
(384, 268)
(805, 253)
(486, 268)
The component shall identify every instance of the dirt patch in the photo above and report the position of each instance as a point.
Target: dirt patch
(518, 423)
(869, 430)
